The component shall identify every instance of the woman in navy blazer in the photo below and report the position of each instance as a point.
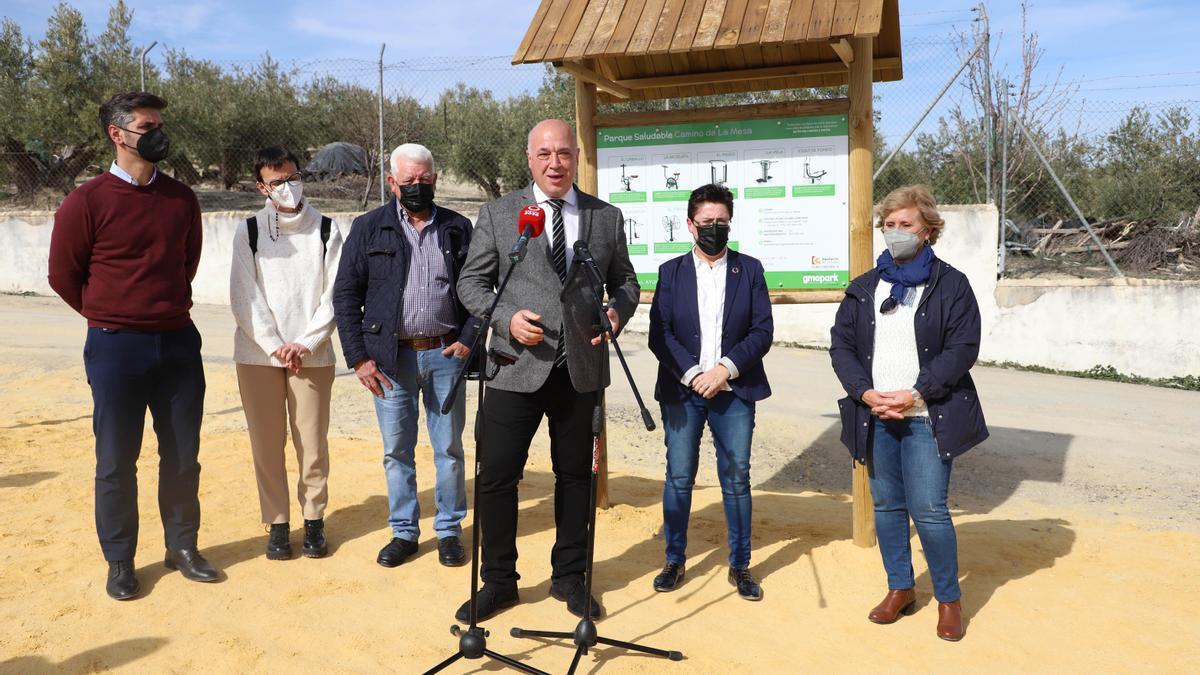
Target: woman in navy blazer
(905, 338)
(710, 326)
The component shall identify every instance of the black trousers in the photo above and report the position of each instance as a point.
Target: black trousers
(130, 372)
(510, 420)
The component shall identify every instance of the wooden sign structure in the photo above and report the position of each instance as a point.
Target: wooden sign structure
(640, 50)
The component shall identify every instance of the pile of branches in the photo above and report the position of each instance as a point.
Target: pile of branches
(1138, 246)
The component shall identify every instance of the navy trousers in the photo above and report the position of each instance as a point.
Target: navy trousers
(130, 371)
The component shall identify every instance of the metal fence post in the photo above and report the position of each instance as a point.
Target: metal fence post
(989, 128)
(144, 52)
(382, 156)
(1002, 253)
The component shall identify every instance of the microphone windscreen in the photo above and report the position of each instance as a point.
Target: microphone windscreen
(532, 217)
(581, 249)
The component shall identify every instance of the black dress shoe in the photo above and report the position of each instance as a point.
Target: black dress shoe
(669, 578)
(191, 564)
(747, 587)
(571, 591)
(314, 538)
(122, 584)
(397, 551)
(279, 547)
(450, 552)
(491, 599)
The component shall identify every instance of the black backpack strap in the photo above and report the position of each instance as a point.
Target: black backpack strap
(326, 227)
(252, 232)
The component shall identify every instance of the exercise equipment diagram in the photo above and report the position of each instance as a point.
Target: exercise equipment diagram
(670, 224)
(632, 228)
(627, 180)
(812, 176)
(765, 164)
(672, 178)
(716, 166)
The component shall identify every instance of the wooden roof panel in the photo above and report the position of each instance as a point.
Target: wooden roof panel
(799, 16)
(870, 12)
(822, 19)
(546, 32)
(731, 24)
(587, 28)
(775, 21)
(685, 28)
(710, 23)
(640, 42)
(845, 16)
(647, 49)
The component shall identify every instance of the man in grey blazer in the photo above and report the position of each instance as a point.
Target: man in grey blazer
(547, 319)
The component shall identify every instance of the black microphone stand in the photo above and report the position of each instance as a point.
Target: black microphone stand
(586, 635)
(472, 640)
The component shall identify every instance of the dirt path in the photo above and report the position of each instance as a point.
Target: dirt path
(1077, 524)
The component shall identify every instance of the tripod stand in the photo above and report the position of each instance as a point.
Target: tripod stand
(586, 634)
(472, 640)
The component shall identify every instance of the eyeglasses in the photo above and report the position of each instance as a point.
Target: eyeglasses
(723, 224)
(296, 177)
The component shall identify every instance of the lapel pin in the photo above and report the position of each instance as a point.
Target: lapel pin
(736, 270)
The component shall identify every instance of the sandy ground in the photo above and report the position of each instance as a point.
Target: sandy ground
(1077, 528)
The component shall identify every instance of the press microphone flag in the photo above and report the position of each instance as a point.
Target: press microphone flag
(530, 225)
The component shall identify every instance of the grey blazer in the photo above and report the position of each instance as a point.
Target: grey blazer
(567, 310)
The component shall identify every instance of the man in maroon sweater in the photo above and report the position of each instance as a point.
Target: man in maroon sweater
(123, 253)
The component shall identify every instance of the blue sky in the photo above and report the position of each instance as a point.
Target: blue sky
(1114, 50)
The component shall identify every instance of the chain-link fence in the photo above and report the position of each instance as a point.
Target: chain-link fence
(1119, 162)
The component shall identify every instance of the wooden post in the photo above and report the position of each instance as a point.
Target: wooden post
(861, 202)
(585, 135)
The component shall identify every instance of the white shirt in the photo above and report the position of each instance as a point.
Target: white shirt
(895, 365)
(570, 214)
(124, 175)
(710, 301)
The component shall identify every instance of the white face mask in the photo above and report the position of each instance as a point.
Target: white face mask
(288, 195)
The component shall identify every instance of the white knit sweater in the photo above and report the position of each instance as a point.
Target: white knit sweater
(895, 365)
(285, 293)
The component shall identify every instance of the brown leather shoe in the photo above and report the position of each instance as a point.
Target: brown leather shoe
(894, 604)
(950, 622)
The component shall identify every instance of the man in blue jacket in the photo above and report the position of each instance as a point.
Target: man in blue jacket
(710, 326)
(401, 326)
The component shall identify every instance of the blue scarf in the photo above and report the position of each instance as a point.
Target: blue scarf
(907, 276)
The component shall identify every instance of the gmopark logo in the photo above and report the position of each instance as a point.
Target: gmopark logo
(820, 279)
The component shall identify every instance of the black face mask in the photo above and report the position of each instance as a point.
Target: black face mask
(153, 145)
(712, 239)
(416, 197)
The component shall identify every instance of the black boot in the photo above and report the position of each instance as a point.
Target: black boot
(278, 545)
(314, 538)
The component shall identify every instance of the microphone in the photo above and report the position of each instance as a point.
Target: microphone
(530, 224)
(582, 254)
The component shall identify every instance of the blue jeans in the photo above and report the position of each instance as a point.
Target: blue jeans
(909, 479)
(731, 421)
(428, 376)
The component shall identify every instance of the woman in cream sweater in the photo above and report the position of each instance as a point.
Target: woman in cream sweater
(281, 283)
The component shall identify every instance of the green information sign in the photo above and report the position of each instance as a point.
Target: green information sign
(788, 175)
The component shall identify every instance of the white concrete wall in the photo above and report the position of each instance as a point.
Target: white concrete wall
(966, 243)
(1141, 327)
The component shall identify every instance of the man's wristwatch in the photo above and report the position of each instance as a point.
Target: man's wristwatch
(917, 398)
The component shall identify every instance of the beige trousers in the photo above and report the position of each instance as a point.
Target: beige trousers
(270, 397)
